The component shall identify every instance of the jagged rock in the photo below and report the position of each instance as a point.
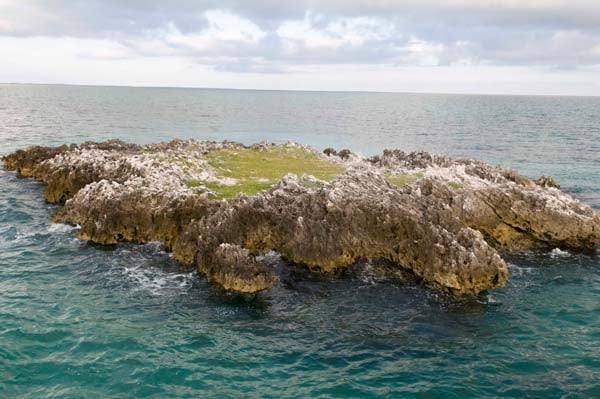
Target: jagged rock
(235, 269)
(515, 217)
(547, 181)
(112, 212)
(442, 224)
(344, 154)
(329, 151)
(26, 162)
(358, 216)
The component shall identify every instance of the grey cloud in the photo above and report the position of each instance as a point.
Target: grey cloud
(555, 33)
(93, 17)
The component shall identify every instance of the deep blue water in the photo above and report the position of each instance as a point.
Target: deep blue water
(83, 321)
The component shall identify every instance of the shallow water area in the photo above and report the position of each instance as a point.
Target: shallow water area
(80, 320)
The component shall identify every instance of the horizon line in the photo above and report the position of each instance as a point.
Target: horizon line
(299, 91)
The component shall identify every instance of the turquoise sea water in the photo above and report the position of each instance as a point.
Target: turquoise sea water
(85, 321)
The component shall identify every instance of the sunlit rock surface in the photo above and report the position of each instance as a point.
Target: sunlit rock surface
(218, 205)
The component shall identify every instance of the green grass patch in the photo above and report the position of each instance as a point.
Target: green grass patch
(256, 170)
(249, 188)
(311, 184)
(403, 179)
(193, 183)
(455, 186)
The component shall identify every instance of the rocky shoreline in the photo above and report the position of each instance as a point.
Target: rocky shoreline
(219, 205)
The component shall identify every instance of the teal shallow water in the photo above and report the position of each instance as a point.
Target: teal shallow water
(78, 320)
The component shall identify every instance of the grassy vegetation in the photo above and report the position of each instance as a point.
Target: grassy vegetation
(248, 188)
(403, 179)
(311, 184)
(256, 170)
(455, 186)
(192, 183)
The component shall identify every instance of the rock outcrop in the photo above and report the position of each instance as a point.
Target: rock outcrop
(442, 219)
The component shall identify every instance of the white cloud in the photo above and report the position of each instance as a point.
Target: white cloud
(225, 25)
(222, 29)
(337, 33)
(595, 51)
(371, 43)
(423, 53)
(63, 64)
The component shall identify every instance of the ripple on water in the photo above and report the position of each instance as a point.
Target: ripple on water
(78, 320)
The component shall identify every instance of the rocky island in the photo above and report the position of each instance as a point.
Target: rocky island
(219, 205)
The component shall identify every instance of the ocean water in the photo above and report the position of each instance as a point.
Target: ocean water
(85, 321)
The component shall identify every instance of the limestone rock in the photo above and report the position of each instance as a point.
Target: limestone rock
(235, 269)
(439, 218)
(547, 181)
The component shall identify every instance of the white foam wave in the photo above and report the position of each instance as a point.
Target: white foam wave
(559, 253)
(519, 270)
(62, 228)
(156, 281)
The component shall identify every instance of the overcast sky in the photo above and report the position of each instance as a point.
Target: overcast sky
(463, 46)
